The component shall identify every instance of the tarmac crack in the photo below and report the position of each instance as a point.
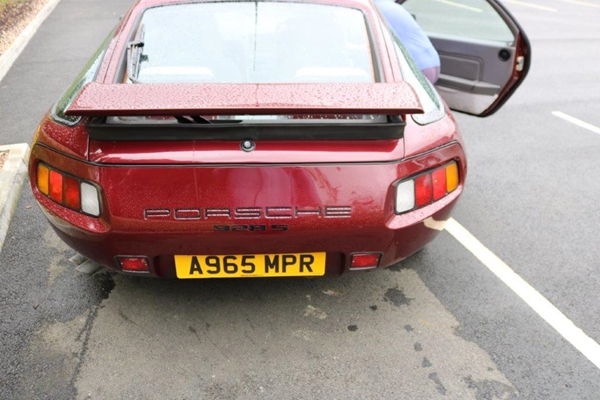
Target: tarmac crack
(222, 352)
(86, 332)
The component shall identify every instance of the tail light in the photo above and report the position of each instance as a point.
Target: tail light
(68, 191)
(424, 189)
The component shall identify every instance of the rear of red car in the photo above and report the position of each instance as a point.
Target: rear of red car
(154, 166)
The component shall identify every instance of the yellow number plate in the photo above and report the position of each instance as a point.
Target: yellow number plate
(248, 266)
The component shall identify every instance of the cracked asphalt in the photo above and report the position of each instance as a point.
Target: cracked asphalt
(440, 325)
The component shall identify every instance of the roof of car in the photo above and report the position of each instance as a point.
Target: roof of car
(348, 3)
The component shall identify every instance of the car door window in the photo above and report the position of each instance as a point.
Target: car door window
(484, 53)
(472, 19)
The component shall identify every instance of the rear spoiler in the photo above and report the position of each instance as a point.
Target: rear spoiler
(165, 99)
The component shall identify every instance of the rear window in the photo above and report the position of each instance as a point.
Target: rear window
(253, 42)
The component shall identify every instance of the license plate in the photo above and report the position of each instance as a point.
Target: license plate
(250, 265)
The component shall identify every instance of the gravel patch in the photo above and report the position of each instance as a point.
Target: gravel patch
(3, 157)
(14, 17)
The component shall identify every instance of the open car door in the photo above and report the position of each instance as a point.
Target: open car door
(484, 53)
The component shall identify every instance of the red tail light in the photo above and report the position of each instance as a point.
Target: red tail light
(72, 194)
(68, 191)
(425, 188)
(439, 183)
(56, 186)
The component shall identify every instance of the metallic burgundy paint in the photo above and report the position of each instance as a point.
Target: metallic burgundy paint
(228, 152)
(70, 141)
(246, 98)
(136, 176)
(127, 192)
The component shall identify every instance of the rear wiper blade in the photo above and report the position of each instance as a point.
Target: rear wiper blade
(194, 119)
(135, 57)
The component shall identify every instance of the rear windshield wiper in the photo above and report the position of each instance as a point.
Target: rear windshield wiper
(135, 57)
(194, 119)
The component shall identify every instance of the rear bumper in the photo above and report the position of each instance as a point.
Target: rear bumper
(128, 192)
(395, 244)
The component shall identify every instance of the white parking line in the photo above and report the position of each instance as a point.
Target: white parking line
(581, 3)
(552, 315)
(576, 121)
(522, 3)
(451, 3)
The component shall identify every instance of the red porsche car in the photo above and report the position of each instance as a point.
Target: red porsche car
(268, 138)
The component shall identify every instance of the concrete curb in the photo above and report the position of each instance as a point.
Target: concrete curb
(12, 53)
(12, 176)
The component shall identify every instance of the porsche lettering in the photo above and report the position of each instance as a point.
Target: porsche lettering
(241, 213)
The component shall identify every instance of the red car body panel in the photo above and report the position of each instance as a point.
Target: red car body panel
(161, 198)
(141, 217)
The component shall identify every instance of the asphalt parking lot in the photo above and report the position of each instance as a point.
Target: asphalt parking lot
(440, 325)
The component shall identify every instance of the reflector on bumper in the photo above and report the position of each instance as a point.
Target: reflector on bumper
(133, 263)
(360, 261)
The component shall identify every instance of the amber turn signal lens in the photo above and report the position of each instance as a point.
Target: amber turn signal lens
(42, 178)
(451, 177)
